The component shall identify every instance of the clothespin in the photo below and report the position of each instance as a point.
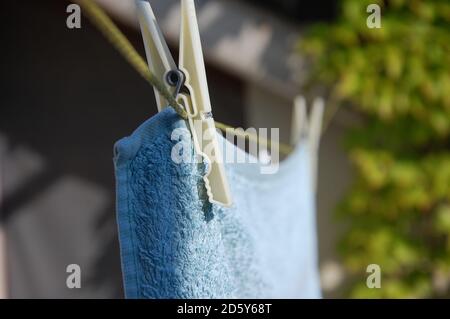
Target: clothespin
(314, 135)
(299, 120)
(310, 127)
(189, 86)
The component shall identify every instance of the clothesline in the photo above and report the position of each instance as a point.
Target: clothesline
(123, 45)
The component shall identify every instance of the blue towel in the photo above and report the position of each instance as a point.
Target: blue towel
(175, 244)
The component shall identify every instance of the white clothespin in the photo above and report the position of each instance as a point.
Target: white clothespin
(189, 85)
(311, 127)
(299, 120)
(314, 135)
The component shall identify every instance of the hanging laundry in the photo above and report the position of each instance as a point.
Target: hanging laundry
(176, 244)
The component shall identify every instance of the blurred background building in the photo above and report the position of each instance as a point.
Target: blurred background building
(67, 96)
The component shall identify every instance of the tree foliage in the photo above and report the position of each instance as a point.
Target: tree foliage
(398, 78)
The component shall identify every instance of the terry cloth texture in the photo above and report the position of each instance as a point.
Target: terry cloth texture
(175, 244)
